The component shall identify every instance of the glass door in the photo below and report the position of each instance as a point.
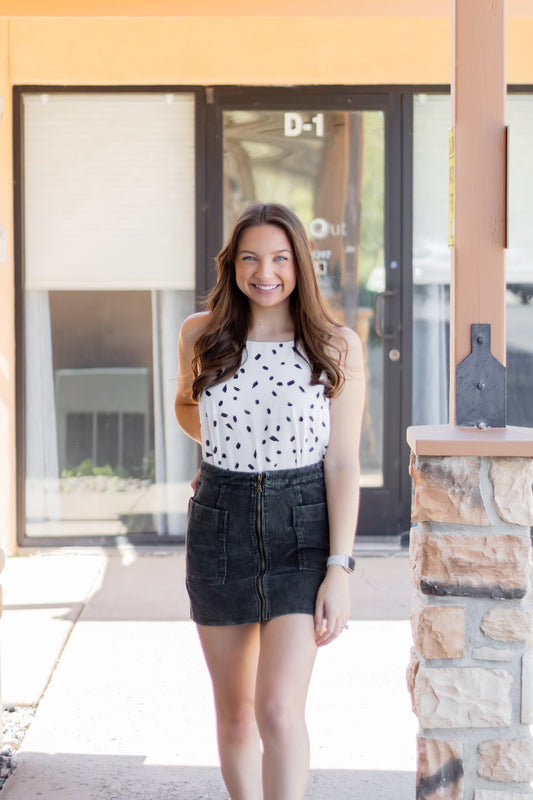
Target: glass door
(329, 160)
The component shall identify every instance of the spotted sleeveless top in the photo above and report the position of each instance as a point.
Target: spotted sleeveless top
(266, 416)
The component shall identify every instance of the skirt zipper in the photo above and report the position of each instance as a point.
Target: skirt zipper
(261, 545)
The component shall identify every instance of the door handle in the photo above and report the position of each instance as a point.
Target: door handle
(380, 313)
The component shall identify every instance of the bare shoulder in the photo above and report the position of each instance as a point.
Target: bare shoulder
(350, 337)
(350, 346)
(193, 327)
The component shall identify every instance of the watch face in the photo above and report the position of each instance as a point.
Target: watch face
(350, 563)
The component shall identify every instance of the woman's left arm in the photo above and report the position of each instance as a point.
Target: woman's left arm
(341, 473)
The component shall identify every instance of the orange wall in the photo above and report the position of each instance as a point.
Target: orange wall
(201, 50)
(7, 338)
(229, 8)
(246, 50)
(520, 51)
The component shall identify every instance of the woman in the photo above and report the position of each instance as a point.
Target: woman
(273, 389)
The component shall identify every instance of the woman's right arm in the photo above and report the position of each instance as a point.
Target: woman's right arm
(186, 408)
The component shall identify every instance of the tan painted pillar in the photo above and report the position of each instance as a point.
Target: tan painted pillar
(477, 291)
(7, 306)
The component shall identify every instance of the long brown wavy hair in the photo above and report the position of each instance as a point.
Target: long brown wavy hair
(218, 351)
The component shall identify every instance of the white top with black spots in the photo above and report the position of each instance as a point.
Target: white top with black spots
(267, 416)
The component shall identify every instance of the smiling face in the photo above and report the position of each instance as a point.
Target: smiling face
(265, 267)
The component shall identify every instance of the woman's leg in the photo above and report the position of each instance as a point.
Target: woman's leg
(286, 659)
(231, 653)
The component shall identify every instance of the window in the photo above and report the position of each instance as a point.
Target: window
(431, 260)
(109, 274)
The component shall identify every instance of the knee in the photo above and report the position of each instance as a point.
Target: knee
(278, 720)
(237, 723)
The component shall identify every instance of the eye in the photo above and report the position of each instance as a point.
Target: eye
(281, 258)
(248, 258)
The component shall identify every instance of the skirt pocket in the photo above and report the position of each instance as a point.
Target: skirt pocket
(206, 543)
(312, 532)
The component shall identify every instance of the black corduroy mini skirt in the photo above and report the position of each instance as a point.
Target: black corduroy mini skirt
(257, 544)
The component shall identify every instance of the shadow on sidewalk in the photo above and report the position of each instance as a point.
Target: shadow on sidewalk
(66, 776)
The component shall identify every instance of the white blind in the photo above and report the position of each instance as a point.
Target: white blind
(431, 125)
(109, 191)
(519, 258)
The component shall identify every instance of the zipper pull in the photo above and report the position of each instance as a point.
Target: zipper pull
(259, 484)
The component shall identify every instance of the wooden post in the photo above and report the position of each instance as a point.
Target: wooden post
(477, 291)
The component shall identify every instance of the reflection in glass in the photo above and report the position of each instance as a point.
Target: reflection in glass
(112, 460)
(328, 166)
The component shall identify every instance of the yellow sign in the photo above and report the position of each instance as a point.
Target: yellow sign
(451, 188)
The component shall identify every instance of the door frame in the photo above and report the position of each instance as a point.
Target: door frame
(384, 511)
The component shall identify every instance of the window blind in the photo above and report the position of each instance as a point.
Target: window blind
(109, 191)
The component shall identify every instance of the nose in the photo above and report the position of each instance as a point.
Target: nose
(264, 268)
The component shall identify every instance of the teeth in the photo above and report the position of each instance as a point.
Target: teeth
(266, 285)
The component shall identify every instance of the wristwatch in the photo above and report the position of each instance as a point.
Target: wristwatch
(346, 562)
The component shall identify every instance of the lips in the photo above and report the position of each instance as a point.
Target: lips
(266, 287)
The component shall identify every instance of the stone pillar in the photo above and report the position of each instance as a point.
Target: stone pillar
(471, 670)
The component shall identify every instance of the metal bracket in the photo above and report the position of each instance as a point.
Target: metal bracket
(480, 385)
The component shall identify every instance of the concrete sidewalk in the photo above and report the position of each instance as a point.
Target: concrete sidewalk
(103, 643)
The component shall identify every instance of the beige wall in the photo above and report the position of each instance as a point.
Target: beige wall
(201, 50)
(358, 43)
(7, 336)
(222, 50)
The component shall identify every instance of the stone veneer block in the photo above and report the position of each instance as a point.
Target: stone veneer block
(470, 565)
(440, 769)
(412, 669)
(487, 794)
(527, 688)
(513, 499)
(508, 624)
(439, 631)
(447, 489)
(508, 760)
(462, 697)
(493, 654)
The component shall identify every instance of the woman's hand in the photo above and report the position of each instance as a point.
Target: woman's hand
(195, 481)
(332, 610)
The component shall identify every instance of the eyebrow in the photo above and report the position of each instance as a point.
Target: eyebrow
(252, 252)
